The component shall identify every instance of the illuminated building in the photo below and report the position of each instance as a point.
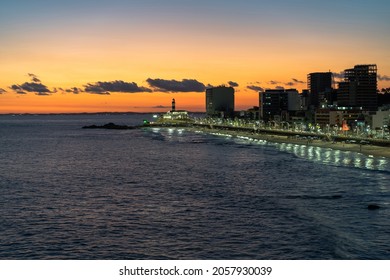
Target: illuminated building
(278, 103)
(359, 88)
(319, 85)
(174, 114)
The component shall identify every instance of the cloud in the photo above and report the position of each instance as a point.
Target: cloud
(42, 93)
(73, 90)
(114, 86)
(34, 78)
(383, 78)
(340, 75)
(37, 88)
(34, 87)
(274, 82)
(161, 107)
(255, 88)
(185, 85)
(281, 88)
(95, 89)
(298, 81)
(294, 82)
(232, 84)
(2, 91)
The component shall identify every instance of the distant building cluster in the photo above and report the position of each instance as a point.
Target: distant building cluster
(351, 103)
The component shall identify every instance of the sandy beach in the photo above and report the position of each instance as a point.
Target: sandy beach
(369, 150)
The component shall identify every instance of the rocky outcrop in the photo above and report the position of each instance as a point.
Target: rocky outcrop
(373, 207)
(110, 126)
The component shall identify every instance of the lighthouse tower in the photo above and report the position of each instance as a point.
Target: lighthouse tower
(173, 105)
(175, 115)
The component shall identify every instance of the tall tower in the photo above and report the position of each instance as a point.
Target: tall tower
(173, 105)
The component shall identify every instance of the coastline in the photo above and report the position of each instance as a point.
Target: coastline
(368, 150)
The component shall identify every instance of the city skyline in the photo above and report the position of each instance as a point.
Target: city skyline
(96, 56)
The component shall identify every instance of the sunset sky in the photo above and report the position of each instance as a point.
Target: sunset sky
(136, 55)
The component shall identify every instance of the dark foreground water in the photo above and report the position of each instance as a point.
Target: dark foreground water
(70, 193)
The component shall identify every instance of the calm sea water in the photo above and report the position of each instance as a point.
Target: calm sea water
(71, 193)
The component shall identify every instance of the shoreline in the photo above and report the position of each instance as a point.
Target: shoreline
(368, 150)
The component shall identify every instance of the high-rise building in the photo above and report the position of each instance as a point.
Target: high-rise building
(220, 101)
(359, 88)
(277, 103)
(319, 85)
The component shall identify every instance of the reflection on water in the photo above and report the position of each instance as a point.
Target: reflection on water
(164, 193)
(319, 154)
(335, 157)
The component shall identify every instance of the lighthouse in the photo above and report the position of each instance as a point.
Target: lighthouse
(174, 114)
(173, 105)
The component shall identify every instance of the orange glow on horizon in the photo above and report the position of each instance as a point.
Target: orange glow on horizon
(60, 102)
(250, 61)
(116, 102)
(72, 44)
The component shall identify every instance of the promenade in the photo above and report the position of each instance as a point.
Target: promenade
(366, 146)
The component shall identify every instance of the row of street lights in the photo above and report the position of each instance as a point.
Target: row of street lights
(358, 131)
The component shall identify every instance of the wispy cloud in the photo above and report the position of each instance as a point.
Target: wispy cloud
(185, 85)
(114, 86)
(383, 77)
(21, 92)
(42, 93)
(2, 91)
(232, 84)
(255, 88)
(34, 78)
(294, 82)
(160, 107)
(273, 82)
(298, 81)
(74, 90)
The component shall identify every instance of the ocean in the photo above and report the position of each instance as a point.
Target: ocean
(163, 193)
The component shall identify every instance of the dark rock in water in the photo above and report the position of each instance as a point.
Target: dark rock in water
(115, 126)
(91, 126)
(373, 207)
(110, 126)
